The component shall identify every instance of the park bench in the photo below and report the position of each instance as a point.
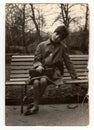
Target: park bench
(21, 64)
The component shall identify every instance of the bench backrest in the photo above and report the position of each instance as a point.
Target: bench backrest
(20, 66)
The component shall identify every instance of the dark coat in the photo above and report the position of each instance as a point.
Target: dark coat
(54, 55)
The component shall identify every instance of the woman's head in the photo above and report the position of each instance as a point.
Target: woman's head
(59, 34)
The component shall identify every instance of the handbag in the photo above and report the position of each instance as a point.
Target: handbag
(46, 72)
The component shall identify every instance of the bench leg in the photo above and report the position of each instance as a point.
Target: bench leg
(86, 97)
(22, 99)
(23, 96)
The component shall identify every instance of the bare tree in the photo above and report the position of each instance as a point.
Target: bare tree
(38, 19)
(23, 27)
(15, 20)
(65, 16)
(18, 20)
(9, 23)
(85, 42)
(86, 18)
(34, 21)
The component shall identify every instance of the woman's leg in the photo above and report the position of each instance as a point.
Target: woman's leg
(39, 88)
(36, 92)
(43, 85)
(33, 108)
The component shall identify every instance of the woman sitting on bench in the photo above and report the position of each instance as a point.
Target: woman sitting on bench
(50, 54)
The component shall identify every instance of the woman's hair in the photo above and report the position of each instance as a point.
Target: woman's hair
(62, 31)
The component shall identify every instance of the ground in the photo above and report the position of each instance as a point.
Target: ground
(49, 115)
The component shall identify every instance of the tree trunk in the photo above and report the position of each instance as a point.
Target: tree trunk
(36, 25)
(23, 31)
(85, 34)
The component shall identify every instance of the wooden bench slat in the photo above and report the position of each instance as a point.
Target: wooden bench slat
(27, 71)
(16, 83)
(31, 63)
(77, 70)
(18, 79)
(19, 75)
(84, 66)
(81, 77)
(30, 59)
(19, 71)
(28, 66)
(20, 67)
(75, 81)
(80, 66)
(23, 56)
(27, 75)
(21, 81)
(76, 64)
(21, 63)
(14, 56)
(66, 81)
(79, 74)
(78, 56)
(79, 62)
(24, 79)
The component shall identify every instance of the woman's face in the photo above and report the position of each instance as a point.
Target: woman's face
(56, 37)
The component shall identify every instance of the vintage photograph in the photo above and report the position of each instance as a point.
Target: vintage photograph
(46, 64)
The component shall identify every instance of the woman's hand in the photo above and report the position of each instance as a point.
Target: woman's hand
(40, 68)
